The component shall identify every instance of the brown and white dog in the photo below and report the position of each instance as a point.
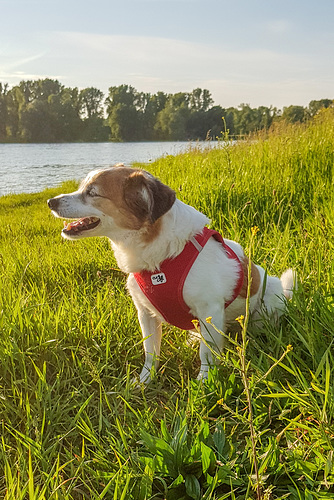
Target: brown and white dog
(146, 225)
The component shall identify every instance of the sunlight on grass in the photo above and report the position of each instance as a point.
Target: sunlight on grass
(72, 426)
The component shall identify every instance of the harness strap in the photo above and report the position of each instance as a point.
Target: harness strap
(167, 297)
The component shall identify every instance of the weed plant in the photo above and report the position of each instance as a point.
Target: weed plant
(261, 426)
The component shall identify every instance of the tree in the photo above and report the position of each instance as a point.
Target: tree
(66, 125)
(29, 111)
(265, 117)
(201, 122)
(123, 122)
(13, 114)
(172, 120)
(315, 106)
(36, 123)
(171, 124)
(3, 111)
(19, 97)
(44, 110)
(49, 112)
(215, 125)
(122, 113)
(155, 104)
(43, 89)
(91, 102)
(294, 114)
(123, 94)
(95, 129)
(244, 119)
(200, 100)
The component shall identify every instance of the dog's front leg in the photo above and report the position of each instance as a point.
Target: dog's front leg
(212, 343)
(151, 330)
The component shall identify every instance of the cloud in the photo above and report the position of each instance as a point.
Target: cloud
(25, 60)
(16, 62)
(253, 75)
(13, 78)
(167, 60)
(279, 27)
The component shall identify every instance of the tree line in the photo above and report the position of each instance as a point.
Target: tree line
(46, 111)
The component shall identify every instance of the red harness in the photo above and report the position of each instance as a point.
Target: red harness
(164, 287)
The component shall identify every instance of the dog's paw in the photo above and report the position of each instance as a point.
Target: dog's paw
(145, 377)
(203, 374)
(135, 384)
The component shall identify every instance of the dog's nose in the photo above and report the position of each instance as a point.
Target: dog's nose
(52, 203)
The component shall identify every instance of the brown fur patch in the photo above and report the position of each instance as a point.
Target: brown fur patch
(138, 196)
(152, 231)
(110, 185)
(255, 277)
(147, 196)
(133, 198)
(163, 197)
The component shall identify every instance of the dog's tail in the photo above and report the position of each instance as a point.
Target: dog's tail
(289, 282)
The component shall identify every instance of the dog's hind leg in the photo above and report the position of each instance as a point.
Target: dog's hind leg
(289, 283)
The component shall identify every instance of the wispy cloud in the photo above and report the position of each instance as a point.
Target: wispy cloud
(16, 63)
(254, 75)
(13, 78)
(169, 59)
(279, 26)
(12, 66)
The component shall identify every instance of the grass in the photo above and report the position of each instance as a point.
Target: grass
(72, 427)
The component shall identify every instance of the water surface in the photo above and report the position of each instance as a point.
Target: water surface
(29, 168)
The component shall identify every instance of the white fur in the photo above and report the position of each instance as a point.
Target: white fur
(209, 284)
(134, 255)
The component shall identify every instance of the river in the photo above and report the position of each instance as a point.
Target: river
(29, 168)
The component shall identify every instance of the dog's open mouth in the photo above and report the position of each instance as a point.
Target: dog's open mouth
(78, 226)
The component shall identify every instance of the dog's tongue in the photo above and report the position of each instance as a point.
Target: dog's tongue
(75, 224)
(80, 224)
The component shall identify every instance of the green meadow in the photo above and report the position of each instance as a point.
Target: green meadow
(262, 426)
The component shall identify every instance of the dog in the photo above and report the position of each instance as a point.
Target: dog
(162, 243)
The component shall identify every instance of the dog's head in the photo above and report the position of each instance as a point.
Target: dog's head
(116, 198)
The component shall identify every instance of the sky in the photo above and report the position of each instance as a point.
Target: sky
(259, 52)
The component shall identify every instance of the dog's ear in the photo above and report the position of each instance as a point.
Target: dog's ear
(147, 197)
(163, 199)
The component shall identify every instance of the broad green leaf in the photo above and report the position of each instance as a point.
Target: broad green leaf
(193, 488)
(219, 439)
(208, 457)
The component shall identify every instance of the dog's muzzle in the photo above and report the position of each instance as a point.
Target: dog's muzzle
(53, 203)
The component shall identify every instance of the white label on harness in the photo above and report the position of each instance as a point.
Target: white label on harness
(158, 279)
